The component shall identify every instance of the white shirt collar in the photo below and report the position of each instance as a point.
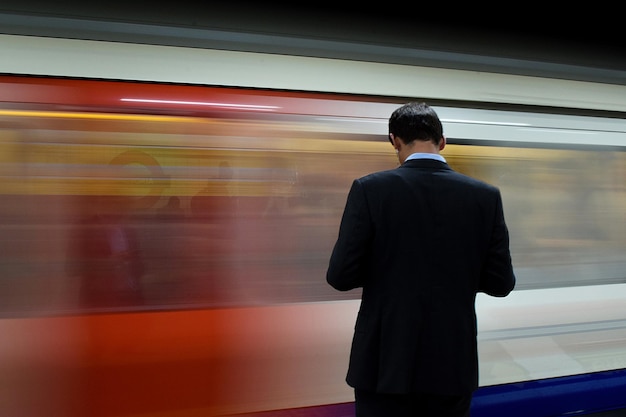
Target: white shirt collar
(420, 155)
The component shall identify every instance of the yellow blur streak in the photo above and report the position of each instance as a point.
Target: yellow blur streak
(95, 116)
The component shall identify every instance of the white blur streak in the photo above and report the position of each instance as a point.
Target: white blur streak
(236, 106)
(546, 333)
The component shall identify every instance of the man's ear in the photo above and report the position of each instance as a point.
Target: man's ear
(395, 141)
(442, 143)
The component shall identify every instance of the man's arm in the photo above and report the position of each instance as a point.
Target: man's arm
(497, 278)
(346, 266)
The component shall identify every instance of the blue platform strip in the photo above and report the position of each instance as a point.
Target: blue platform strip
(566, 396)
(576, 395)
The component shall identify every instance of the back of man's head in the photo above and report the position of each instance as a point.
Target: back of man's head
(416, 121)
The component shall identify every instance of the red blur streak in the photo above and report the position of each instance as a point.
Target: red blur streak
(179, 363)
(153, 362)
(109, 96)
(115, 364)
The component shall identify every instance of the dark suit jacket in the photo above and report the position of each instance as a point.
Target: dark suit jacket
(421, 240)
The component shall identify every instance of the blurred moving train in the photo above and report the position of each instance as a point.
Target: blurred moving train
(164, 246)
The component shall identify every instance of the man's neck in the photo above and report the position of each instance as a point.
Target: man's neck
(417, 147)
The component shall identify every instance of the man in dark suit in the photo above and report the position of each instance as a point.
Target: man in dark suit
(421, 240)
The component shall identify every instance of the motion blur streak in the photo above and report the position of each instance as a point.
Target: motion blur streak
(165, 259)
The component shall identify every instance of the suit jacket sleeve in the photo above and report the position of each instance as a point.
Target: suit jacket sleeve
(347, 266)
(497, 278)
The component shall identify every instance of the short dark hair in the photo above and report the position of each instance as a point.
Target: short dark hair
(416, 121)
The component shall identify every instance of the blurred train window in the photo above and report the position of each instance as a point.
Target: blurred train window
(117, 210)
